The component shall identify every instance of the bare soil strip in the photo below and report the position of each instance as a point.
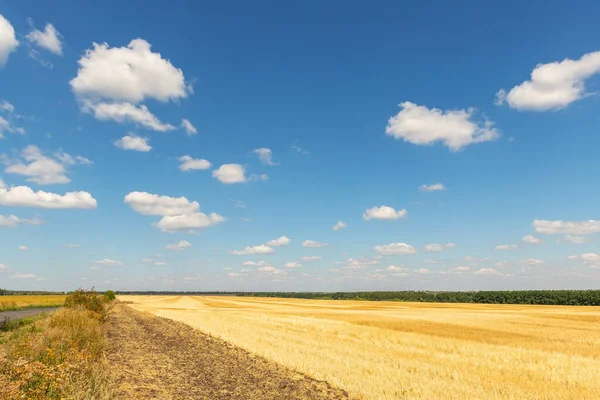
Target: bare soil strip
(157, 358)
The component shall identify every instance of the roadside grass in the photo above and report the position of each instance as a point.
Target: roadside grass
(59, 355)
(12, 303)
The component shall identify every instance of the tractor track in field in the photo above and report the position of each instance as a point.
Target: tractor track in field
(157, 358)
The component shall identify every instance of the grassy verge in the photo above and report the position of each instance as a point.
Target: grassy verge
(57, 356)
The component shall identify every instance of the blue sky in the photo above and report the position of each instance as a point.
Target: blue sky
(299, 116)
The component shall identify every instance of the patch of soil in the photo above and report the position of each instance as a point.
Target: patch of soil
(157, 358)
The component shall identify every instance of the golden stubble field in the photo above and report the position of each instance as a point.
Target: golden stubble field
(389, 350)
(14, 302)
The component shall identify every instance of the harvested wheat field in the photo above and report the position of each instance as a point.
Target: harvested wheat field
(389, 350)
(157, 358)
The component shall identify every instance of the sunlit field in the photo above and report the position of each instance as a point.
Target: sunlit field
(388, 350)
(17, 302)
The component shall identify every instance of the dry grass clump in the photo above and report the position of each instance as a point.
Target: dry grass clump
(59, 356)
(8, 303)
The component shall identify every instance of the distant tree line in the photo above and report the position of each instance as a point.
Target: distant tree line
(547, 297)
(6, 292)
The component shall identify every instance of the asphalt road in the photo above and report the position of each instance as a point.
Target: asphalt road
(27, 312)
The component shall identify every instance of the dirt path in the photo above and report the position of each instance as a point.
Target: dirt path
(157, 358)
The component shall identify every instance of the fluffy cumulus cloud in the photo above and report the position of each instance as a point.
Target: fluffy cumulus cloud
(188, 163)
(434, 187)
(22, 248)
(384, 213)
(577, 239)
(40, 168)
(488, 271)
(352, 263)
(395, 248)
(293, 265)
(178, 213)
(262, 249)
(132, 74)
(8, 40)
(230, 173)
(123, 112)
(530, 239)
(456, 129)
(566, 227)
(280, 241)
(313, 243)
(23, 196)
(265, 156)
(506, 247)
(436, 248)
(554, 85)
(112, 81)
(12, 221)
(311, 258)
(49, 39)
(182, 245)
(533, 261)
(592, 260)
(187, 126)
(339, 225)
(109, 262)
(135, 143)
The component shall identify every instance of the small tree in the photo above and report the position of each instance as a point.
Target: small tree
(109, 295)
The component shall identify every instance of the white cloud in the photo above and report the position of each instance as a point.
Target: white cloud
(313, 243)
(42, 169)
(422, 271)
(126, 112)
(12, 221)
(530, 239)
(394, 268)
(352, 263)
(23, 196)
(384, 213)
(311, 258)
(270, 269)
(70, 246)
(395, 248)
(256, 177)
(110, 262)
(435, 187)
(252, 250)
(255, 264)
(461, 269)
(187, 126)
(533, 261)
(293, 265)
(3, 267)
(135, 143)
(281, 241)
(131, 74)
(576, 239)
(23, 248)
(554, 85)
(566, 227)
(339, 225)
(8, 40)
(182, 245)
(230, 173)
(153, 204)
(25, 276)
(296, 147)
(265, 156)
(488, 271)
(178, 213)
(592, 260)
(506, 247)
(198, 220)
(436, 248)
(454, 128)
(188, 163)
(48, 39)
(160, 263)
